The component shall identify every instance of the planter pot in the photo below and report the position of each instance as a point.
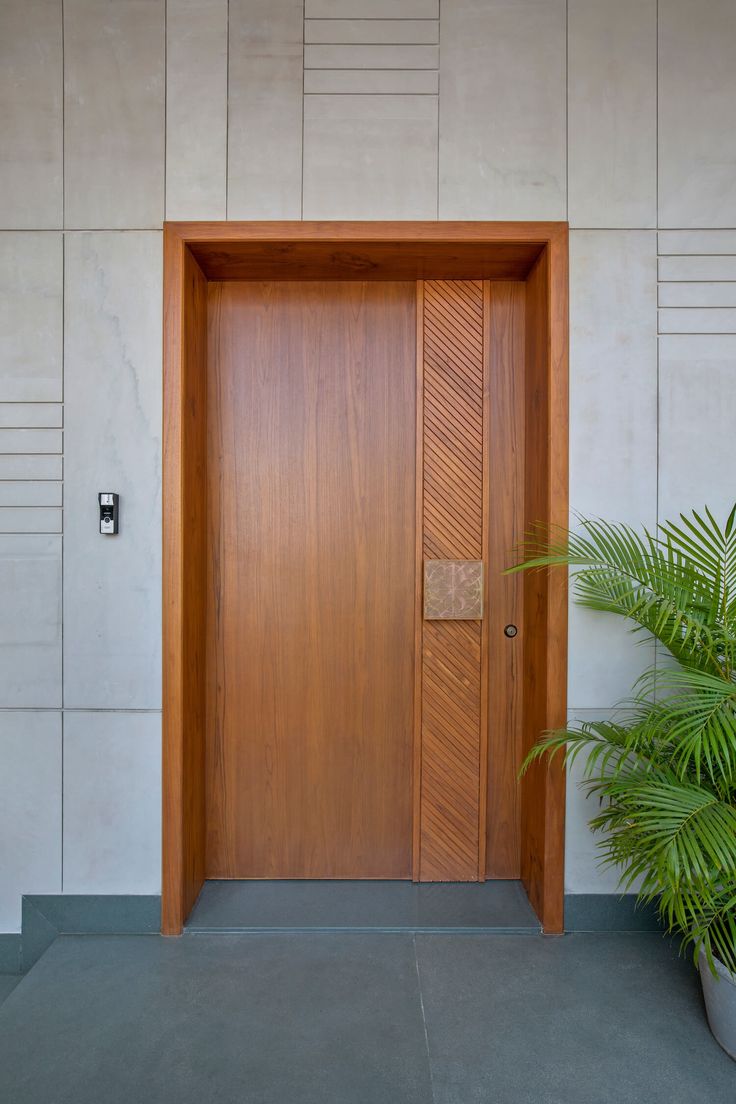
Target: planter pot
(720, 1004)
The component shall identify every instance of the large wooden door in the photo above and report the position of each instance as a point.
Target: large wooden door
(358, 433)
(311, 402)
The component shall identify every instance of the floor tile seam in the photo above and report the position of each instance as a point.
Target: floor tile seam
(424, 1020)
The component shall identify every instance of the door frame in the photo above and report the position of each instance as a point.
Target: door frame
(195, 252)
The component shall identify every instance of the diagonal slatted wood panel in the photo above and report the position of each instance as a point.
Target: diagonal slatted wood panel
(452, 529)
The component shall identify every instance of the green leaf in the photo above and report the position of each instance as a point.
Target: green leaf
(663, 769)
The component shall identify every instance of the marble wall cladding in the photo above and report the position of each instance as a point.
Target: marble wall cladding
(39, 415)
(30, 620)
(196, 109)
(31, 113)
(31, 283)
(708, 319)
(114, 90)
(613, 373)
(30, 809)
(112, 586)
(19, 492)
(371, 56)
(697, 268)
(21, 466)
(112, 780)
(370, 157)
(421, 82)
(684, 242)
(30, 440)
(502, 134)
(613, 446)
(697, 401)
(697, 136)
(372, 31)
(583, 870)
(376, 9)
(703, 293)
(266, 75)
(27, 519)
(612, 120)
(697, 289)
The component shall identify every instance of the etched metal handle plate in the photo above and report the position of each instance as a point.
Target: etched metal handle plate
(453, 590)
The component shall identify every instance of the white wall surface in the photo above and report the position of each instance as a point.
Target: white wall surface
(614, 114)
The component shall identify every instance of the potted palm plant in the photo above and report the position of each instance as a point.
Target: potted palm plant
(664, 765)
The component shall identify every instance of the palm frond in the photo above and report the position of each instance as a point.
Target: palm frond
(708, 919)
(608, 746)
(691, 714)
(664, 768)
(673, 833)
(648, 580)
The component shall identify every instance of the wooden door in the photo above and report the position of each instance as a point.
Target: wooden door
(311, 408)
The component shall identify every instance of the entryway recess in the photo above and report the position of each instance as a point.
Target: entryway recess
(361, 423)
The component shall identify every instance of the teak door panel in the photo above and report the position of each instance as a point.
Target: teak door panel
(311, 540)
(454, 681)
(312, 646)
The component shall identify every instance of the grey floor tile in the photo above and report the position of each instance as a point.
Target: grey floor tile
(8, 983)
(362, 906)
(581, 1019)
(252, 1019)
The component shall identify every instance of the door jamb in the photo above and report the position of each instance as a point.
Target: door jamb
(194, 252)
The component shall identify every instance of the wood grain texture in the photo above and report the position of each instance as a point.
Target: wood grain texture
(418, 584)
(505, 320)
(183, 816)
(557, 453)
(355, 259)
(312, 574)
(392, 250)
(447, 233)
(545, 593)
(453, 511)
(426, 249)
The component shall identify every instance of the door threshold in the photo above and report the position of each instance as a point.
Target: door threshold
(228, 907)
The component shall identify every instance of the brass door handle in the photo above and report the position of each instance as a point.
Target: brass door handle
(453, 590)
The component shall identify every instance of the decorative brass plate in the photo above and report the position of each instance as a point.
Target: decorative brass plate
(453, 590)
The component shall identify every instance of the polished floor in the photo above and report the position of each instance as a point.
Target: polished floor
(360, 1018)
(238, 906)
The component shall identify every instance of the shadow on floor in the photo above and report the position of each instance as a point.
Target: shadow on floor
(8, 983)
(356, 1018)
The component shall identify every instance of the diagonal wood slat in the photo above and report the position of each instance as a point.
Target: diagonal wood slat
(452, 529)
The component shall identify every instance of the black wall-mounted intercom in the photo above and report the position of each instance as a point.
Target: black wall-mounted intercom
(109, 511)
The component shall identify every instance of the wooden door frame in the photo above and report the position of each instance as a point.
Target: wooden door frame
(194, 253)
